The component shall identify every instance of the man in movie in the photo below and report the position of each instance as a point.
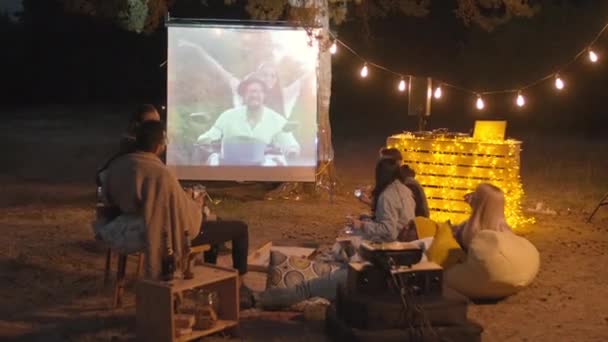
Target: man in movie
(246, 131)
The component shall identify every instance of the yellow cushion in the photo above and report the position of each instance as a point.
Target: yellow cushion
(425, 227)
(445, 250)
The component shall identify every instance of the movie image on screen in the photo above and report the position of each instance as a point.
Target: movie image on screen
(242, 103)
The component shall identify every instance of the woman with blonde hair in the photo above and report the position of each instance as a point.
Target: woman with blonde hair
(488, 204)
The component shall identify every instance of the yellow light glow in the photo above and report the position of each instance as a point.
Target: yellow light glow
(559, 83)
(364, 71)
(479, 104)
(333, 48)
(520, 101)
(448, 168)
(593, 56)
(438, 93)
(401, 86)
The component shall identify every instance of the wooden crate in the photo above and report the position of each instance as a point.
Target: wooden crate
(450, 167)
(155, 304)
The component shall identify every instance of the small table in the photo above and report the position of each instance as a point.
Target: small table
(155, 303)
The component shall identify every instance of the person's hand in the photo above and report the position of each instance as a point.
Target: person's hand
(365, 198)
(356, 224)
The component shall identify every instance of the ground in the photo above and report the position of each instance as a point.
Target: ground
(51, 270)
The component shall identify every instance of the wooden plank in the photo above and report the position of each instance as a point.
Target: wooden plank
(220, 325)
(203, 275)
(452, 205)
(444, 159)
(153, 312)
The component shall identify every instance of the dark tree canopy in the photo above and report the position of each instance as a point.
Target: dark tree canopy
(146, 15)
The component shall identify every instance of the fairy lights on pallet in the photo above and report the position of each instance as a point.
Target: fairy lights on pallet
(450, 167)
(518, 94)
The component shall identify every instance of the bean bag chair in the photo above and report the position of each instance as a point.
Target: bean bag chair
(498, 264)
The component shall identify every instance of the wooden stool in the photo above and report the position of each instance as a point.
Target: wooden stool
(121, 270)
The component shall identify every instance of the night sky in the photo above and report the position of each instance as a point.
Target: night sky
(53, 57)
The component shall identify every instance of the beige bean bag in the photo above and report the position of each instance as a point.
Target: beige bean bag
(498, 264)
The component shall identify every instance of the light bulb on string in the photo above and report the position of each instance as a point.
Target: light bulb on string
(437, 93)
(521, 100)
(333, 48)
(364, 71)
(593, 56)
(479, 103)
(559, 83)
(401, 86)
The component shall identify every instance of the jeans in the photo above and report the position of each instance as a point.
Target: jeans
(324, 287)
(216, 232)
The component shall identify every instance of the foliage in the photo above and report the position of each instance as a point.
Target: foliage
(146, 15)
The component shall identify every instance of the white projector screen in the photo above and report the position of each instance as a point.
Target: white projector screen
(242, 103)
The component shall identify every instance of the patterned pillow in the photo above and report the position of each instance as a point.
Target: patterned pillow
(288, 271)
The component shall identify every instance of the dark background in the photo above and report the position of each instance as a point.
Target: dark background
(50, 57)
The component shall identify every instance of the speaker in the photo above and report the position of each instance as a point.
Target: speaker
(420, 92)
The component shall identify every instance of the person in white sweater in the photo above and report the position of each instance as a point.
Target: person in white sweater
(393, 206)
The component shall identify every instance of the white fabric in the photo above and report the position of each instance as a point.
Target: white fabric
(125, 234)
(498, 264)
(234, 123)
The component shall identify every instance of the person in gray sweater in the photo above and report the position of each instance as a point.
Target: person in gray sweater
(393, 207)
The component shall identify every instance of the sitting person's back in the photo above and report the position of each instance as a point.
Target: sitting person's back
(139, 183)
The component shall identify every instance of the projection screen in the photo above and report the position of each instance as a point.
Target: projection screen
(242, 103)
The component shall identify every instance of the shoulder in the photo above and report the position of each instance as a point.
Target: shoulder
(232, 112)
(274, 116)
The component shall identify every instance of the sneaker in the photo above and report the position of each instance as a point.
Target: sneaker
(246, 297)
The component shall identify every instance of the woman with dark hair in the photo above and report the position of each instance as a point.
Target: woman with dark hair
(394, 208)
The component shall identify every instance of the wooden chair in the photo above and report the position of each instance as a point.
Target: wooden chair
(121, 270)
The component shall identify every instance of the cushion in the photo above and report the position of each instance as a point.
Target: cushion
(498, 264)
(288, 271)
(425, 227)
(444, 249)
(126, 234)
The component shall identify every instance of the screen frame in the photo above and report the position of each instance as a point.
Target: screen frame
(185, 173)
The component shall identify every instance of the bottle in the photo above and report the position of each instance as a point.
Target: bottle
(187, 269)
(168, 260)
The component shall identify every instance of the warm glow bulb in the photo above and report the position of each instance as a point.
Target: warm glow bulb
(438, 93)
(479, 104)
(521, 101)
(364, 71)
(559, 84)
(592, 56)
(333, 48)
(401, 85)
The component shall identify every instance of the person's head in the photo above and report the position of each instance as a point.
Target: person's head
(488, 204)
(253, 91)
(391, 153)
(387, 171)
(143, 113)
(151, 137)
(268, 73)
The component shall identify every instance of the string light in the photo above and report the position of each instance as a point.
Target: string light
(559, 83)
(437, 93)
(401, 86)
(479, 103)
(333, 48)
(364, 71)
(520, 101)
(593, 56)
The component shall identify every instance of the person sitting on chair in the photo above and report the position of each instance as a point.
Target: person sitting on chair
(140, 184)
